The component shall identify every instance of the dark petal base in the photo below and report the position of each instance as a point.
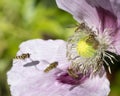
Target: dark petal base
(65, 78)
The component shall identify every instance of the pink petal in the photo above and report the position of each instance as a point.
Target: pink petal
(32, 81)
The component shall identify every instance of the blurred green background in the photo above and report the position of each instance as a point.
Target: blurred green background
(21, 20)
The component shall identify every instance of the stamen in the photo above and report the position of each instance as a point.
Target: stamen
(107, 65)
(109, 56)
(112, 56)
(106, 55)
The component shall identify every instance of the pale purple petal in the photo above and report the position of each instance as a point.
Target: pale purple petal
(105, 4)
(81, 11)
(43, 51)
(116, 42)
(116, 8)
(108, 20)
(109, 13)
(32, 81)
(97, 13)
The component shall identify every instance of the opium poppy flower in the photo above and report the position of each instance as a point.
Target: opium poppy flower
(75, 67)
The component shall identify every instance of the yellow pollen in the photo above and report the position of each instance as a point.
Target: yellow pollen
(84, 49)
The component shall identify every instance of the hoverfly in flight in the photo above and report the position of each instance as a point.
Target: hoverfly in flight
(51, 66)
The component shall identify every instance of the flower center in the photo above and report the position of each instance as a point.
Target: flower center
(86, 50)
(86, 47)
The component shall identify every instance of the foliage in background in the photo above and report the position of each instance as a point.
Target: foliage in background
(21, 20)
